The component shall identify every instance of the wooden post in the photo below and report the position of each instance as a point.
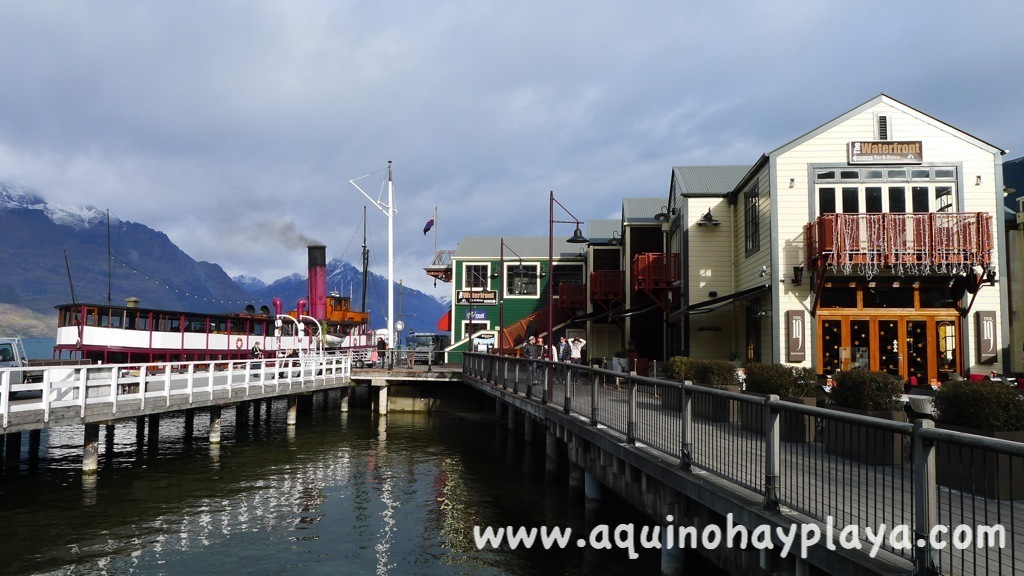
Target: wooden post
(90, 449)
(153, 442)
(12, 453)
(293, 403)
(215, 425)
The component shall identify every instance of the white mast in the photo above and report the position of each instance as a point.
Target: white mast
(389, 210)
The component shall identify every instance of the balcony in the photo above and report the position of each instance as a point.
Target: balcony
(655, 271)
(919, 243)
(608, 286)
(572, 296)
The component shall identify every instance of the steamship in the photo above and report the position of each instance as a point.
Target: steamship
(104, 333)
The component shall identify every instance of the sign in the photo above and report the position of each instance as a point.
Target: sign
(988, 351)
(795, 334)
(476, 297)
(885, 152)
(476, 315)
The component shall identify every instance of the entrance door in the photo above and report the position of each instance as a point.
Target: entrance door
(903, 348)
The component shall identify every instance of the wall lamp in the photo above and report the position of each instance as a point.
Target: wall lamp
(615, 240)
(977, 180)
(663, 215)
(798, 275)
(708, 220)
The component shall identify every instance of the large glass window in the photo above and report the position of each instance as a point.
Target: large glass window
(566, 274)
(877, 191)
(752, 220)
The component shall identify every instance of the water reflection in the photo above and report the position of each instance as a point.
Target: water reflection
(351, 492)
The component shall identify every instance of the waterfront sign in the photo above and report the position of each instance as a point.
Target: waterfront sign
(476, 297)
(885, 152)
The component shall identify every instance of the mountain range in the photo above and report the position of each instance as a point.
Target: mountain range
(59, 254)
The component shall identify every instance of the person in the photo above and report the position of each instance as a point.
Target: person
(531, 351)
(576, 350)
(562, 355)
(382, 349)
(256, 352)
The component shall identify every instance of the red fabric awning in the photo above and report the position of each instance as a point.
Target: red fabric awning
(445, 323)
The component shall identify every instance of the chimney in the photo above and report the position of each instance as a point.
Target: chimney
(131, 302)
(317, 281)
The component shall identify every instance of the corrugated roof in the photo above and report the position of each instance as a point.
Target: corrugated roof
(600, 231)
(642, 210)
(706, 180)
(526, 247)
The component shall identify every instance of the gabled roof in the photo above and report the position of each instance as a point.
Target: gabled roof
(641, 210)
(705, 181)
(880, 99)
(600, 231)
(525, 247)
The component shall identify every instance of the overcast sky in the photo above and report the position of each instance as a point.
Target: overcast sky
(235, 126)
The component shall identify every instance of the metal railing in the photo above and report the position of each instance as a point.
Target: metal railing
(102, 387)
(836, 467)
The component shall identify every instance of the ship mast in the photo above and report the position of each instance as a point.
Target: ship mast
(366, 259)
(389, 210)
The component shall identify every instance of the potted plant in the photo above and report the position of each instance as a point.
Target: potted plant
(984, 409)
(790, 383)
(675, 368)
(715, 374)
(869, 393)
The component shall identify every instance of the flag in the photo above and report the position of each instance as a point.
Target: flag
(428, 225)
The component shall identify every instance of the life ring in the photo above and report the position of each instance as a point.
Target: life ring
(238, 344)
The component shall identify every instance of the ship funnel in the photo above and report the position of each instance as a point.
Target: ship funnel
(317, 281)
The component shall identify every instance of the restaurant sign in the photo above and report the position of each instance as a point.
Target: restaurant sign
(885, 152)
(476, 297)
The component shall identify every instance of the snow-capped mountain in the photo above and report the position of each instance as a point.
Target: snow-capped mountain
(76, 216)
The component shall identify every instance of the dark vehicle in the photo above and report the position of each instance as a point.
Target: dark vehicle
(427, 347)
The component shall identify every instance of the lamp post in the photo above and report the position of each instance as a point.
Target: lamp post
(389, 210)
(501, 293)
(577, 238)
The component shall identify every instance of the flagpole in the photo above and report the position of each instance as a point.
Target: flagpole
(435, 229)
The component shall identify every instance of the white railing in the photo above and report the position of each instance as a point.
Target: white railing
(106, 386)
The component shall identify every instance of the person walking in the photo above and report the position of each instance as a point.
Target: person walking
(562, 355)
(532, 352)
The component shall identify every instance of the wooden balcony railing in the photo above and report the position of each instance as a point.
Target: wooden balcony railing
(572, 296)
(930, 242)
(608, 286)
(655, 271)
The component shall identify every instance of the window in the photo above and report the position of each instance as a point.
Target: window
(751, 218)
(475, 276)
(566, 274)
(522, 279)
(882, 126)
(878, 191)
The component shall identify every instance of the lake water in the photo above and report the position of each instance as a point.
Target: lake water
(340, 493)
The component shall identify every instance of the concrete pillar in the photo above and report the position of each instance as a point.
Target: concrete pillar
(382, 400)
(293, 404)
(153, 442)
(190, 425)
(551, 451)
(591, 489)
(344, 399)
(266, 409)
(673, 558)
(91, 449)
(499, 409)
(528, 428)
(108, 448)
(215, 425)
(12, 454)
(256, 405)
(511, 417)
(575, 473)
(33, 451)
(241, 415)
(140, 432)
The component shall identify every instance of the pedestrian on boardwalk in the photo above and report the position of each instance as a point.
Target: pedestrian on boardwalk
(576, 350)
(532, 352)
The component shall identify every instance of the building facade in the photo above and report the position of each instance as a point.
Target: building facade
(875, 240)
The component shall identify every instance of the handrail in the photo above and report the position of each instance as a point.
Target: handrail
(905, 490)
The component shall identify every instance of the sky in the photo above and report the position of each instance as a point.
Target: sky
(235, 126)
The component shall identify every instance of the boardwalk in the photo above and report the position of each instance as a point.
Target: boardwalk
(813, 481)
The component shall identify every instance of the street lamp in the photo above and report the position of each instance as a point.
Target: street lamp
(501, 293)
(577, 238)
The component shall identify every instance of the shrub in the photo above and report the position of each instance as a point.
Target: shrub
(678, 368)
(980, 405)
(784, 381)
(867, 390)
(715, 373)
